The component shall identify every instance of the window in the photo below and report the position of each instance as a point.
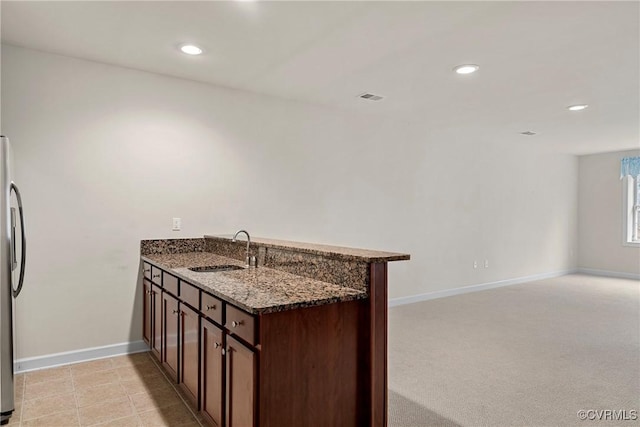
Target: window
(632, 210)
(630, 174)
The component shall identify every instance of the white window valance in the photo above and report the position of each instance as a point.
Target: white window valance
(630, 166)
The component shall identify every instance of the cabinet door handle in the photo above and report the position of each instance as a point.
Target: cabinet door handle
(223, 352)
(211, 307)
(235, 324)
(176, 311)
(216, 344)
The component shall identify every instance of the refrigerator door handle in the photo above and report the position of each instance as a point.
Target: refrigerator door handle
(14, 262)
(23, 258)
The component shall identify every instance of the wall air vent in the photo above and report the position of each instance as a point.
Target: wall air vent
(370, 96)
(528, 133)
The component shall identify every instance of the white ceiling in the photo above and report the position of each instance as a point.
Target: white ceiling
(536, 58)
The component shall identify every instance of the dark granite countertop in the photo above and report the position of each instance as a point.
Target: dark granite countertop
(256, 290)
(337, 252)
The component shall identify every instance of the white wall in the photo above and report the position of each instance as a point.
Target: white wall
(106, 156)
(600, 216)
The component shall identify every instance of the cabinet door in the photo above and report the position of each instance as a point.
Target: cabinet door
(212, 372)
(241, 384)
(156, 323)
(146, 311)
(189, 350)
(170, 316)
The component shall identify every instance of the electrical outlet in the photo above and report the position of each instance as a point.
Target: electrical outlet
(475, 264)
(177, 224)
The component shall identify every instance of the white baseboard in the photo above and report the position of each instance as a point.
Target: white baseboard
(475, 288)
(607, 273)
(83, 355)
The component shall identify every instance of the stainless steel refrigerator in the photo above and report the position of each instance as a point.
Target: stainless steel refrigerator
(9, 247)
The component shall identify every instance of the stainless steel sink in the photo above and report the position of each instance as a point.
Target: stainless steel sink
(216, 268)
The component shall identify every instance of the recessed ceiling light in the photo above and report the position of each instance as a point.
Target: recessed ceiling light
(577, 107)
(466, 68)
(190, 49)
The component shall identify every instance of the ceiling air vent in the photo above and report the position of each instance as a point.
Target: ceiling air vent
(370, 96)
(528, 133)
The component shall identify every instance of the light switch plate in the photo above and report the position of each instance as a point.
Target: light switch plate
(177, 224)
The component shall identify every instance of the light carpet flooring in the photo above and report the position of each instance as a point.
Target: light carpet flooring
(526, 355)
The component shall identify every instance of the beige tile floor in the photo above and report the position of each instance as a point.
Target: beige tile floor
(120, 391)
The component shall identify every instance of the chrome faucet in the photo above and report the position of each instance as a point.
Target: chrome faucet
(247, 258)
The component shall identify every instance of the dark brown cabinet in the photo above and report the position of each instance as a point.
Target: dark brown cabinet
(146, 270)
(211, 307)
(170, 325)
(189, 351)
(156, 275)
(147, 311)
(156, 321)
(295, 367)
(241, 385)
(152, 315)
(212, 372)
(241, 324)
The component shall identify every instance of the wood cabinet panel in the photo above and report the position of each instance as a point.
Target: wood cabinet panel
(147, 311)
(189, 351)
(170, 316)
(156, 328)
(146, 270)
(170, 284)
(190, 294)
(241, 324)
(156, 275)
(309, 367)
(211, 307)
(212, 372)
(241, 384)
(378, 303)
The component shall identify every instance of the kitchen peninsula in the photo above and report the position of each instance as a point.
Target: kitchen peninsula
(299, 340)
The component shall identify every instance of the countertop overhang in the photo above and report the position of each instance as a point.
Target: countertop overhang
(329, 251)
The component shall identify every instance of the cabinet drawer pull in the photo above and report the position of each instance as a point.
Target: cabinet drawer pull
(211, 307)
(156, 276)
(235, 324)
(147, 271)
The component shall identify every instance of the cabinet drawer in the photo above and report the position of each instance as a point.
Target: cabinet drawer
(211, 307)
(190, 294)
(156, 275)
(146, 270)
(170, 283)
(241, 324)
